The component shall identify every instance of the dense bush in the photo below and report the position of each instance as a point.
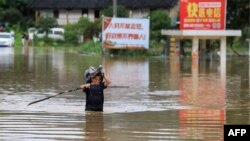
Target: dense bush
(159, 19)
(11, 16)
(47, 22)
(91, 46)
(240, 42)
(72, 33)
(94, 28)
(246, 32)
(1, 14)
(85, 28)
(15, 12)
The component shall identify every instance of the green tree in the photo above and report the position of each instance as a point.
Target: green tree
(47, 22)
(121, 11)
(83, 24)
(87, 28)
(238, 18)
(238, 14)
(12, 16)
(83, 27)
(18, 4)
(1, 14)
(72, 33)
(15, 12)
(2, 3)
(159, 19)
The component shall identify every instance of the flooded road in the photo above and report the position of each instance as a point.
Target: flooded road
(167, 98)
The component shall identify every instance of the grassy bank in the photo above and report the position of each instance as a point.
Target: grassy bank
(91, 47)
(96, 47)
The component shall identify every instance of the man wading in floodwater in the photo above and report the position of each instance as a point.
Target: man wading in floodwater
(96, 82)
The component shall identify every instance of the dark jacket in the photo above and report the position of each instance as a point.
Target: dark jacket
(95, 97)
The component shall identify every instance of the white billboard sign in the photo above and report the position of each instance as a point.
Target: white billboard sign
(125, 33)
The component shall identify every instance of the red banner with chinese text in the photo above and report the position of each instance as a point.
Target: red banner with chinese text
(202, 14)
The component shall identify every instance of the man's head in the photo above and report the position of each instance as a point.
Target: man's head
(91, 72)
(96, 79)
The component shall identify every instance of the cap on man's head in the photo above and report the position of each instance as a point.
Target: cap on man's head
(92, 70)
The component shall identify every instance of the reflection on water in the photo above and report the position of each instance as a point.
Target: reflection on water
(94, 127)
(167, 98)
(128, 70)
(6, 58)
(203, 124)
(16, 125)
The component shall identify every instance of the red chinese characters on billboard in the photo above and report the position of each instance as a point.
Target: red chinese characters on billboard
(202, 14)
(125, 33)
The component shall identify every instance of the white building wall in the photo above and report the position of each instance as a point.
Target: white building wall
(44, 13)
(139, 13)
(91, 15)
(62, 19)
(74, 16)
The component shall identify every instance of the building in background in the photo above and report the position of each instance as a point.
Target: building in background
(69, 11)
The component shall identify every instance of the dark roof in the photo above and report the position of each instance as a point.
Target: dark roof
(133, 4)
(98, 4)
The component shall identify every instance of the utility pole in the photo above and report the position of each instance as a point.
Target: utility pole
(114, 8)
(248, 40)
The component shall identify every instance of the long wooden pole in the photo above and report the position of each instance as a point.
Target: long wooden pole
(53, 96)
(68, 91)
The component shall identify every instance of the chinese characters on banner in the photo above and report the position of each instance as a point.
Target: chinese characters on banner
(202, 14)
(126, 33)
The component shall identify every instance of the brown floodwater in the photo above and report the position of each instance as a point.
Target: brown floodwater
(167, 98)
